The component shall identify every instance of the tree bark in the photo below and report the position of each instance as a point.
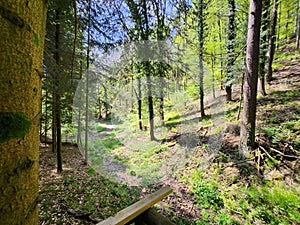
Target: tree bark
(140, 103)
(57, 98)
(87, 86)
(247, 137)
(160, 16)
(59, 137)
(150, 103)
(221, 54)
(264, 45)
(230, 50)
(145, 36)
(21, 54)
(298, 26)
(46, 117)
(201, 44)
(54, 123)
(272, 38)
(213, 75)
(161, 100)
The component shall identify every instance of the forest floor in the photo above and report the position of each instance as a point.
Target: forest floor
(222, 189)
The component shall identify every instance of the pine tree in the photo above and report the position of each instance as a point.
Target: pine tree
(250, 85)
(272, 38)
(22, 42)
(230, 50)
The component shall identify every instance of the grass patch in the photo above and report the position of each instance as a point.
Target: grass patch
(100, 128)
(111, 143)
(271, 205)
(207, 193)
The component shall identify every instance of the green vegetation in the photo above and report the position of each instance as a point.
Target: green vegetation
(94, 195)
(13, 125)
(273, 203)
(101, 128)
(196, 153)
(207, 193)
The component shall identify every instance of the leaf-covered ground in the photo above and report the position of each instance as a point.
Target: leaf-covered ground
(81, 196)
(213, 187)
(78, 195)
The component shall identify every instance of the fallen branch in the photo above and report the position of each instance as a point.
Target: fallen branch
(83, 215)
(262, 148)
(284, 155)
(238, 162)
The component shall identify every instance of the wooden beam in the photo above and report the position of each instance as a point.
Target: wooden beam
(131, 212)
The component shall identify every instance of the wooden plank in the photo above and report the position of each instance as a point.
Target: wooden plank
(152, 217)
(128, 214)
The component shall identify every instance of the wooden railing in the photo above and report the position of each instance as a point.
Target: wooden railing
(141, 213)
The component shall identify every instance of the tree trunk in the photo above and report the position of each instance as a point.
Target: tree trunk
(161, 101)
(272, 38)
(278, 22)
(213, 75)
(54, 123)
(57, 98)
(298, 26)
(21, 55)
(145, 36)
(201, 44)
(230, 50)
(87, 86)
(264, 45)
(247, 137)
(59, 137)
(106, 105)
(160, 16)
(221, 54)
(287, 25)
(46, 117)
(150, 104)
(79, 142)
(140, 103)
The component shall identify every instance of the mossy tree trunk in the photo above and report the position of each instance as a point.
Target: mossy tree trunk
(21, 51)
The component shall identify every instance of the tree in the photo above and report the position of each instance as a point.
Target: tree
(161, 33)
(247, 137)
(298, 25)
(201, 25)
(22, 42)
(140, 16)
(264, 44)
(272, 38)
(230, 50)
(56, 61)
(87, 84)
(57, 96)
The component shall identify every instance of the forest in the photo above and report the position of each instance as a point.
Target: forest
(104, 102)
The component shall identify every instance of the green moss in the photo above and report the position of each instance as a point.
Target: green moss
(36, 39)
(13, 125)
